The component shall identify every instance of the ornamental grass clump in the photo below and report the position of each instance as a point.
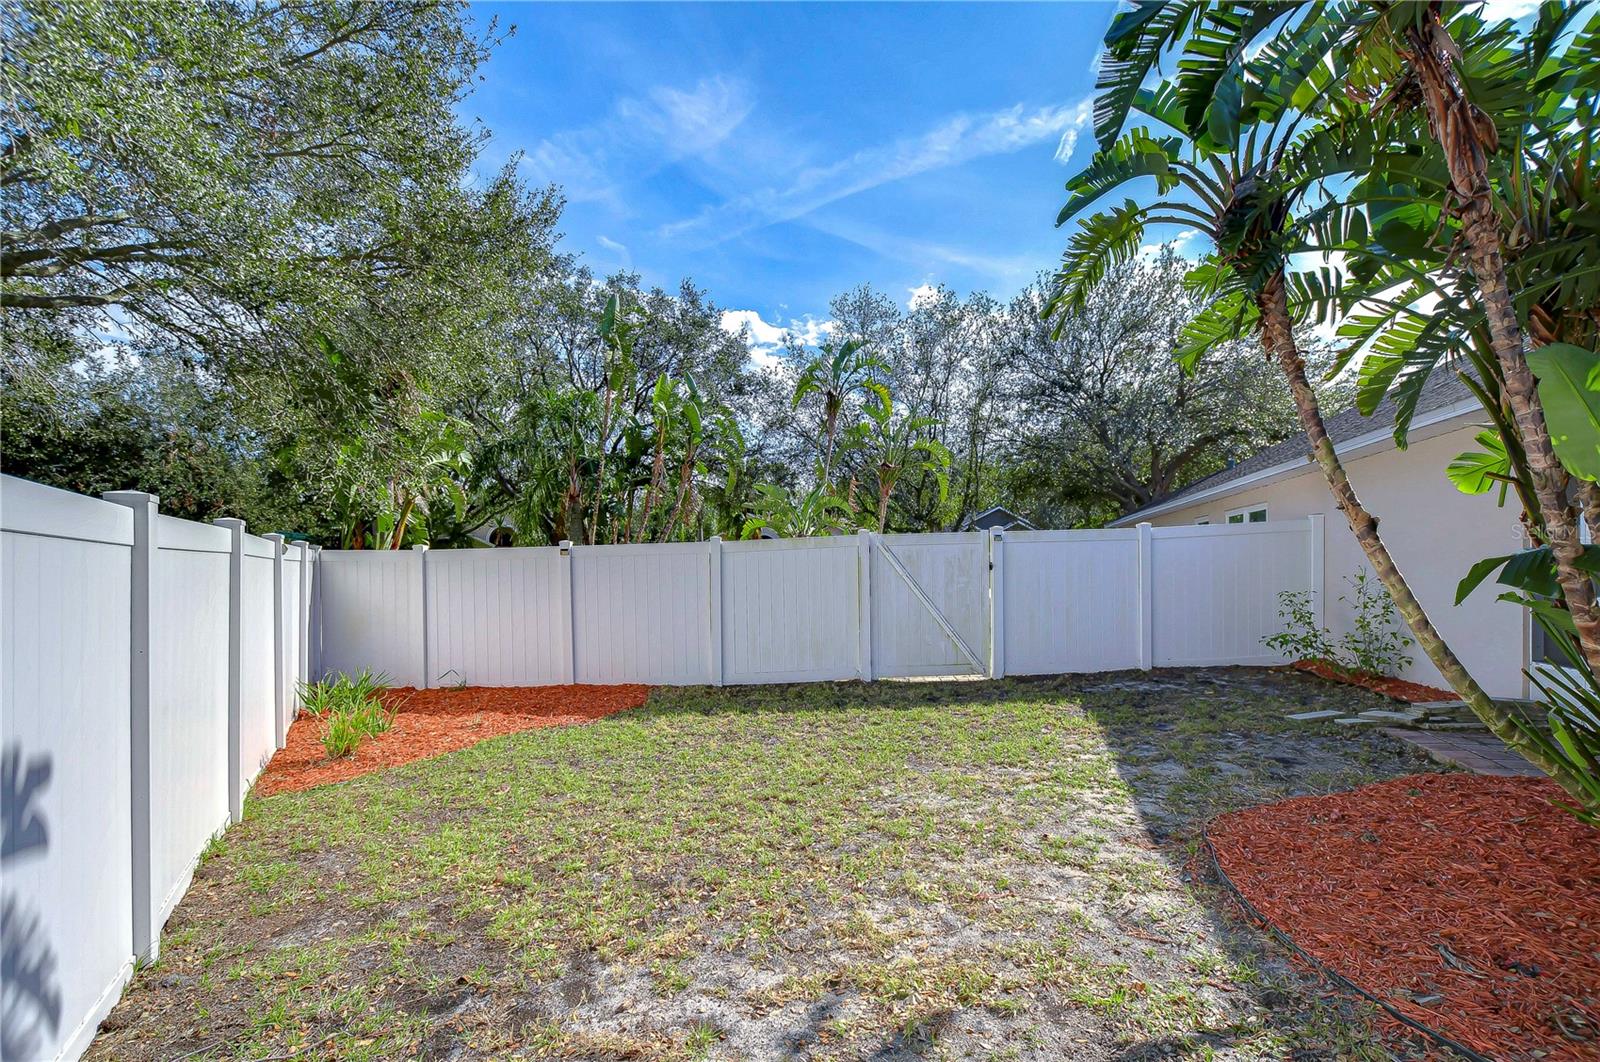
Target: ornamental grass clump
(351, 710)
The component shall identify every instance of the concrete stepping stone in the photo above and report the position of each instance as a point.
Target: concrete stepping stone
(1308, 717)
(1385, 715)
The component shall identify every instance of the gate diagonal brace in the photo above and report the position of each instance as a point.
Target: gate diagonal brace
(927, 603)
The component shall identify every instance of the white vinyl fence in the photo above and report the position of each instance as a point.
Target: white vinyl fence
(801, 610)
(148, 669)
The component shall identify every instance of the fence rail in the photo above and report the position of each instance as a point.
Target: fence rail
(148, 670)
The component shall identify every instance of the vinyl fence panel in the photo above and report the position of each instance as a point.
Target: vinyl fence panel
(257, 733)
(641, 613)
(790, 610)
(1070, 601)
(65, 877)
(1215, 589)
(372, 613)
(497, 617)
(188, 701)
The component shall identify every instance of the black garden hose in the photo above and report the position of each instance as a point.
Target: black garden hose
(1327, 972)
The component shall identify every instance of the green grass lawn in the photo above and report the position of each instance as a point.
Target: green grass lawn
(963, 869)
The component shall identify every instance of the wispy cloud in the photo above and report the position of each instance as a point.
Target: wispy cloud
(930, 255)
(618, 249)
(638, 137)
(765, 339)
(953, 141)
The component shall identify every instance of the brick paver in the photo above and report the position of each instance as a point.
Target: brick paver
(1479, 753)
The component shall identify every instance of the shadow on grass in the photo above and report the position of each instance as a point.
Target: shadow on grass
(1188, 745)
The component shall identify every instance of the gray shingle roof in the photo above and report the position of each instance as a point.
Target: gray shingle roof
(1444, 388)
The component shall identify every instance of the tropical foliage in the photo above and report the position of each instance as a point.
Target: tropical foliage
(1417, 178)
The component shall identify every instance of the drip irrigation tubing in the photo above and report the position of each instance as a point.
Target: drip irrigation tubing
(1327, 972)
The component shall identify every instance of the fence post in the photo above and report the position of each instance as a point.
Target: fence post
(714, 555)
(1147, 626)
(997, 612)
(235, 528)
(420, 551)
(864, 604)
(279, 655)
(1315, 559)
(569, 659)
(303, 621)
(146, 935)
(314, 661)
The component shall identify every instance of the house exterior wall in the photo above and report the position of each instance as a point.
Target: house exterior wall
(1435, 534)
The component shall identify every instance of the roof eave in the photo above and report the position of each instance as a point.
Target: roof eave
(1369, 442)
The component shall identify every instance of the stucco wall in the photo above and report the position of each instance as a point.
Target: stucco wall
(1435, 534)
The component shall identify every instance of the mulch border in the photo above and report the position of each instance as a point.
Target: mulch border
(1382, 685)
(1323, 970)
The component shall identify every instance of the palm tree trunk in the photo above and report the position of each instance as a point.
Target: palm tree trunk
(1277, 338)
(1463, 132)
(400, 524)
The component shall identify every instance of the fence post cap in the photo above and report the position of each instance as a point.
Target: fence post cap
(131, 497)
(232, 523)
(420, 547)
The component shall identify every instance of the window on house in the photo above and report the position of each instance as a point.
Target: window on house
(1203, 520)
(1250, 514)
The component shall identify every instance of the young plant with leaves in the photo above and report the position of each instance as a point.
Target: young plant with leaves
(840, 371)
(894, 446)
(796, 514)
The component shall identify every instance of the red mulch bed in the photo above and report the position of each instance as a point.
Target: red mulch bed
(1469, 904)
(1398, 689)
(433, 722)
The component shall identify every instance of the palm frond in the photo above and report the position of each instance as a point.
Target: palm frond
(1133, 46)
(1136, 154)
(1100, 244)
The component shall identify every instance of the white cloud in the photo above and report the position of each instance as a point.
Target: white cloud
(1179, 243)
(639, 137)
(1064, 146)
(953, 141)
(922, 293)
(765, 339)
(618, 249)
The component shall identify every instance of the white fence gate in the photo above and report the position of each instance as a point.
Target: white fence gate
(803, 610)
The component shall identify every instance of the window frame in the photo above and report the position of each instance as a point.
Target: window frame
(1243, 514)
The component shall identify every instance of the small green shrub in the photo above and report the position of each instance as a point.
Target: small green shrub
(1302, 638)
(350, 708)
(1375, 645)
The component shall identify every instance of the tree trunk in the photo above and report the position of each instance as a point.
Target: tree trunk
(1277, 338)
(1463, 131)
(400, 524)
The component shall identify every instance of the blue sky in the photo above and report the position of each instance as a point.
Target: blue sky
(779, 154)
